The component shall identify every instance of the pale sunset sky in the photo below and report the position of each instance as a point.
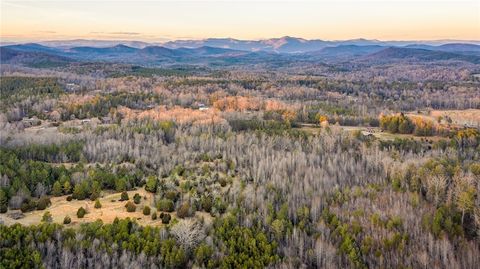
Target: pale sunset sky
(145, 20)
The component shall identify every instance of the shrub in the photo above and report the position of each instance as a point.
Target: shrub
(67, 220)
(154, 215)
(172, 195)
(186, 186)
(223, 182)
(203, 253)
(81, 212)
(43, 203)
(28, 205)
(124, 196)
(137, 198)
(25, 207)
(424, 129)
(67, 187)
(80, 191)
(179, 170)
(151, 185)
(146, 210)
(184, 210)
(475, 169)
(166, 218)
(220, 206)
(206, 203)
(396, 124)
(47, 217)
(131, 207)
(120, 184)
(69, 198)
(57, 189)
(94, 196)
(98, 204)
(165, 205)
(3, 201)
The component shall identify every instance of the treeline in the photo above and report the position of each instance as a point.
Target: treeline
(125, 244)
(28, 96)
(26, 177)
(53, 153)
(466, 138)
(13, 89)
(103, 105)
(404, 125)
(150, 72)
(349, 102)
(22, 179)
(255, 124)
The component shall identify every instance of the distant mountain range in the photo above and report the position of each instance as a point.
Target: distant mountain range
(32, 54)
(94, 43)
(426, 55)
(279, 45)
(232, 51)
(284, 44)
(344, 51)
(32, 58)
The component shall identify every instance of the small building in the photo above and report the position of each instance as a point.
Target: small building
(29, 122)
(106, 120)
(202, 106)
(367, 133)
(72, 87)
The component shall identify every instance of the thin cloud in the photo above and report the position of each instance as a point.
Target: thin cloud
(182, 37)
(131, 36)
(125, 33)
(116, 33)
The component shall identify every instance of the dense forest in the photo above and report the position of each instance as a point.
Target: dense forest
(306, 166)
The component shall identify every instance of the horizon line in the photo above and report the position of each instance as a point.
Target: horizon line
(166, 40)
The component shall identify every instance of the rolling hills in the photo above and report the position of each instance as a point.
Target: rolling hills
(234, 52)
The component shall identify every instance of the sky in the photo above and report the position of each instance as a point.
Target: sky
(157, 21)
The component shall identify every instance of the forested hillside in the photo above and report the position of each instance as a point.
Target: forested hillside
(355, 165)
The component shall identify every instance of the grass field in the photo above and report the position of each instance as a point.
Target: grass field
(111, 208)
(459, 118)
(375, 131)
